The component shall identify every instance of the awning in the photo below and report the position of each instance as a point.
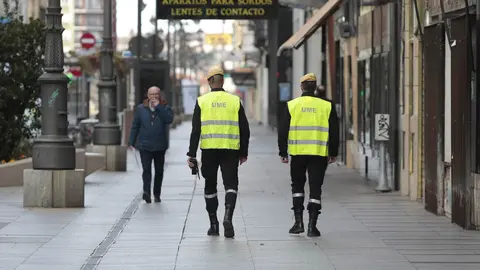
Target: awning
(318, 18)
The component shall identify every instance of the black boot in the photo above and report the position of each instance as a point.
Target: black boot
(312, 224)
(298, 226)
(214, 226)
(227, 223)
(146, 197)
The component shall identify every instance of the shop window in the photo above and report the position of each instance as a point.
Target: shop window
(361, 101)
(364, 113)
(374, 95)
(367, 108)
(350, 129)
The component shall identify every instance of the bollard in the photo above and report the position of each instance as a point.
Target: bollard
(382, 179)
(366, 168)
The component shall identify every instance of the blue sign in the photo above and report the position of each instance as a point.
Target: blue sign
(4, 20)
(285, 91)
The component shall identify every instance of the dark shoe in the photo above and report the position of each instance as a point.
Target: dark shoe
(229, 232)
(146, 197)
(312, 230)
(157, 199)
(214, 229)
(298, 226)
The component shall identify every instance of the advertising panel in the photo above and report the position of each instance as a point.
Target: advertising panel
(217, 9)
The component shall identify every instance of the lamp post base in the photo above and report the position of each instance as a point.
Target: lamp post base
(54, 188)
(115, 156)
(107, 134)
(53, 153)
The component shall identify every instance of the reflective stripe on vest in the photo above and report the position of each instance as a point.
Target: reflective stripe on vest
(308, 134)
(219, 119)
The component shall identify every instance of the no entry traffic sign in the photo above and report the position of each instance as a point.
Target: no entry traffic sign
(87, 41)
(76, 71)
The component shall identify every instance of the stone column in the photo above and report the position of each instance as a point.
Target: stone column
(53, 181)
(107, 135)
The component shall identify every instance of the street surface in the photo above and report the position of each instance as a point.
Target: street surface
(361, 230)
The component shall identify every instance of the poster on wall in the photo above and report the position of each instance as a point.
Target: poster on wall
(190, 92)
(285, 91)
(382, 124)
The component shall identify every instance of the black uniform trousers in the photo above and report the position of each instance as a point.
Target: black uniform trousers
(158, 158)
(228, 161)
(316, 167)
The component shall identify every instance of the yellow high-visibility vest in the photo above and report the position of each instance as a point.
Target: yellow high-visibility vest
(308, 133)
(219, 117)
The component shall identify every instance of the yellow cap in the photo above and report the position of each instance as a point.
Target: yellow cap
(310, 77)
(214, 71)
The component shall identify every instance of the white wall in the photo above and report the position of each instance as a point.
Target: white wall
(298, 55)
(314, 56)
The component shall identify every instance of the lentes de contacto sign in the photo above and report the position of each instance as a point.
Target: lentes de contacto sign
(217, 9)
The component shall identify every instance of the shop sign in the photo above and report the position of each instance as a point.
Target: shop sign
(434, 6)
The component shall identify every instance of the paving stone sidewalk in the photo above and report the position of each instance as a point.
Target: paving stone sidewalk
(361, 229)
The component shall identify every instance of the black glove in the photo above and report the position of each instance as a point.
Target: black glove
(195, 166)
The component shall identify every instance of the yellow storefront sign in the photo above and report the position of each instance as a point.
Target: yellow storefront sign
(218, 39)
(217, 9)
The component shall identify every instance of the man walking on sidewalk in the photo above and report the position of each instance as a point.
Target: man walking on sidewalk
(309, 132)
(219, 121)
(150, 126)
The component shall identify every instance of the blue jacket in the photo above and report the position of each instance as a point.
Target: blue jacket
(151, 127)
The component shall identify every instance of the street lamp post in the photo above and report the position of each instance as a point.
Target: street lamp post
(53, 150)
(53, 181)
(107, 134)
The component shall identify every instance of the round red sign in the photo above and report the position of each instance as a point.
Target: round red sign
(76, 71)
(87, 41)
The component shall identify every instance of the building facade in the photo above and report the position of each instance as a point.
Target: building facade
(451, 148)
(411, 103)
(81, 16)
(37, 9)
(88, 17)
(27, 8)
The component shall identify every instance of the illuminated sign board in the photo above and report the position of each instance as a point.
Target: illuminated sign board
(217, 9)
(218, 39)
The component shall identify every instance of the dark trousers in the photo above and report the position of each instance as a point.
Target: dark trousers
(227, 160)
(158, 158)
(316, 167)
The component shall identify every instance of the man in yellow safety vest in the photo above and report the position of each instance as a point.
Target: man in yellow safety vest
(310, 133)
(220, 123)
